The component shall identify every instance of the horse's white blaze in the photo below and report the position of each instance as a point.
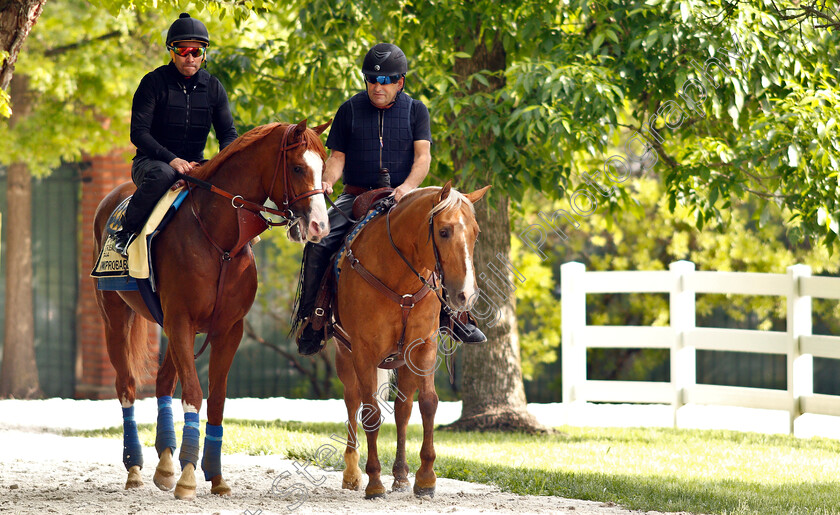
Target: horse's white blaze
(189, 408)
(317, 204)
(469, 278)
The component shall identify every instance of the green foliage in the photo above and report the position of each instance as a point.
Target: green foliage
(651, 239)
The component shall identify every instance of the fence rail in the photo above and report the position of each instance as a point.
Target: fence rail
(682, 282)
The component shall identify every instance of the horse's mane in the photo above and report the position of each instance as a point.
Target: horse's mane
(204, 172)
(454, 201)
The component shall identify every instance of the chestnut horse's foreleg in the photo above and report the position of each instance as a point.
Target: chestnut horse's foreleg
(406, 386)
(352, 399)
(223, 349)
(121, 324)
(181, 338)
(425, 479)
(366, 374)
(165, 429)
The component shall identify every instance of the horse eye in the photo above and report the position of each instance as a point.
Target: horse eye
(299, 169)
(444, 233)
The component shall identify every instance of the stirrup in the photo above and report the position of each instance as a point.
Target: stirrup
(307, 346)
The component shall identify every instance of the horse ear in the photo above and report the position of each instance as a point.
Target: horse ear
(477, 195)
(300, 127)
(321, 128)
(444, 192)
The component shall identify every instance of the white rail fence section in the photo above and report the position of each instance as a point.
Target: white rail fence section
(682, 282)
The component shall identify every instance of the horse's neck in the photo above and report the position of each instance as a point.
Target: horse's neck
(409, 232)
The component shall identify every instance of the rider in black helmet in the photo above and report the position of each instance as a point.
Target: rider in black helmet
(171, 115)
(380, 133)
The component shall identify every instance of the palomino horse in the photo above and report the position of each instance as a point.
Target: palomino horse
(432, 229)
(274, 162)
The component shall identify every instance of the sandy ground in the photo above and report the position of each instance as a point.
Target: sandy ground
(42, 473)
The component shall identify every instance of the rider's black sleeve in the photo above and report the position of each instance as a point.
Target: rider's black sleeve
(142, 114)
(222, 119)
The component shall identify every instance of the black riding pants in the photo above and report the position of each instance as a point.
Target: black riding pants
(152, 178)
(316, 256)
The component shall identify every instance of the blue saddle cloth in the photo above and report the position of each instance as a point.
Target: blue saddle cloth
(118, 279)
(377, 210)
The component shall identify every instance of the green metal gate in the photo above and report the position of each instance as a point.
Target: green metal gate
(55, 266)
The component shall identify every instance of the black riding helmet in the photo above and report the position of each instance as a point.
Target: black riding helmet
(186, 28)
(385, 59)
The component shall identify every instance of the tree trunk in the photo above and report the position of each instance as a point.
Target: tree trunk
(19, 373)
(492, 390)
(16, 20)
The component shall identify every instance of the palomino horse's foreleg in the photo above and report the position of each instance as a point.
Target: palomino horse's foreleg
(425, 479)
(165, 429)
(371, 420)
(221, 357)
(352, 399)
(406, 386)
(181, 338)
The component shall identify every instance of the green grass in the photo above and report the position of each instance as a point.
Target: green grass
(646, 469)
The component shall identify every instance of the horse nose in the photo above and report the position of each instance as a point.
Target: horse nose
(462, 298)
(316, 228)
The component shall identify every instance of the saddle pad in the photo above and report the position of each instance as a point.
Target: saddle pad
(111, 264)
(139, 257)
(354, 232)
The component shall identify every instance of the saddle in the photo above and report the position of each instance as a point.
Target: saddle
(366, 207)
(365, 202)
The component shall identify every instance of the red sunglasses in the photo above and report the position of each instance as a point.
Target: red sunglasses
(188, 50)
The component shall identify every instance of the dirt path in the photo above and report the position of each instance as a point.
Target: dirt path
(43, 473)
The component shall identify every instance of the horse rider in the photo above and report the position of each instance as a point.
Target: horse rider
(378, 132)
(171, 114)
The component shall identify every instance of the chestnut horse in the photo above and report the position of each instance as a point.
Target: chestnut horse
(433, 228)
(276, 162)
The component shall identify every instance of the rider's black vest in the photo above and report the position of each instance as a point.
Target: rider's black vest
(183, 122)
(361, 165)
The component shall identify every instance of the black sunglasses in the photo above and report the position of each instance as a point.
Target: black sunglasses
(382, 79)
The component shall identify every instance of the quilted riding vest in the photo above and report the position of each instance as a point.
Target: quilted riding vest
(182, 123)
(361, 166)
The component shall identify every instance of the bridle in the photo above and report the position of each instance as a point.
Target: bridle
(289, 198)
(254, 223)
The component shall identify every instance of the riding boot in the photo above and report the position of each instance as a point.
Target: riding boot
(315, 262)
(463, 329)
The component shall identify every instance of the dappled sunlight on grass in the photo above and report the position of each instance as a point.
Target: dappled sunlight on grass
(640, 468)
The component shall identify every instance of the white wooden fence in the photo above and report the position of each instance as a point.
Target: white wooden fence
(682, 282)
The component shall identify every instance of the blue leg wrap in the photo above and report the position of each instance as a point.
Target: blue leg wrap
(132, 450)
(211, 463)
(165, 438)
(189, 443)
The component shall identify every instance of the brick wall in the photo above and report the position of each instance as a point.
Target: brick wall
(94, 374)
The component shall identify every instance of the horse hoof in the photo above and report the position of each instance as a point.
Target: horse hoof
(134, 479)
(184, 492)
(220, 488)
(350, 485)
(165, 480)
(422, 492)
(400, 485)
(374, 491)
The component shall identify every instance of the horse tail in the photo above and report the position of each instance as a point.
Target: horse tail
(140, 354)
(383, 377)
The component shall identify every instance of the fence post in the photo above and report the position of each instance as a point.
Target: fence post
(683, 318)
(800, 367)
(573, 313)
